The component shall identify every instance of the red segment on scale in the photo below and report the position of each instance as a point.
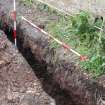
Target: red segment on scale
(14, 34)
(83, 58)
(65, 46)
(13, 15)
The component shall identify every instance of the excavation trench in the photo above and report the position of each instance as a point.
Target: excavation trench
(50, 86)
(61, 78)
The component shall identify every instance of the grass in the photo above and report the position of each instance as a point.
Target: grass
(27, 2)
(80, 32)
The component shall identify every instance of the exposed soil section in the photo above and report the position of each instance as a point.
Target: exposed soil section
(59, 69)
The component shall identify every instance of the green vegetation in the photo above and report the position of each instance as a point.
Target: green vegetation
(80, 32)
(27, 2)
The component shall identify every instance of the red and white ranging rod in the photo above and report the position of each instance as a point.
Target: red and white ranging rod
(14, 19)
(82, 58)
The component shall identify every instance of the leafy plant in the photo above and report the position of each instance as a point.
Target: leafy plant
(27, 2)
(95, 65)
(94, 39)
(46, 8)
